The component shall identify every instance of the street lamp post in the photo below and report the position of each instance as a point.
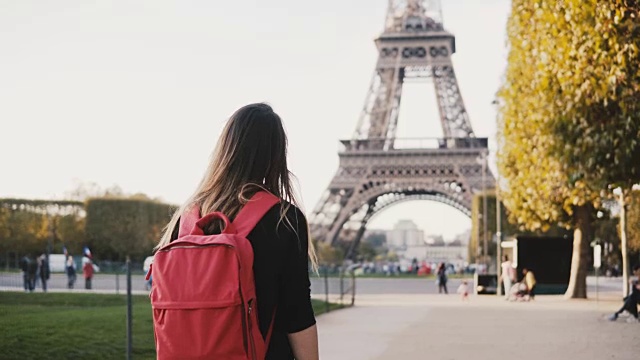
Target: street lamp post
(484, 210)
(498, 236)
(50, 239)
(498, 218)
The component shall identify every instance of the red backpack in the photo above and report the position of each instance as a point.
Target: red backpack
(203, 293)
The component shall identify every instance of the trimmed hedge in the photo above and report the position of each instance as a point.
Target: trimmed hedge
(29, 226)
(118, 227)
(112, 227)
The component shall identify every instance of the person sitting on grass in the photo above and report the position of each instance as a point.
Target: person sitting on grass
(530, 281)
(632, 300)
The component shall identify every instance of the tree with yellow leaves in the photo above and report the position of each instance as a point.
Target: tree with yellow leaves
(570, 114)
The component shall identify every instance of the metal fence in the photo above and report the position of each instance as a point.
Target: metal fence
(110, 278)
(337, 287)
(331, 284)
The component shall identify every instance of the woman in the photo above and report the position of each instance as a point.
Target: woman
(87, 271)
(251, 156)
(442, 279)
(43, 271)
(71, 272)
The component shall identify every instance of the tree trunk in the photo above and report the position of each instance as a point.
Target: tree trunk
(581, 235)
(623, 248)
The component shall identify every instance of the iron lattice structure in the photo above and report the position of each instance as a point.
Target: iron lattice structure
(376, 168)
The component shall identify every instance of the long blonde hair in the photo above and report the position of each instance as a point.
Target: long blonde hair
(251, 155)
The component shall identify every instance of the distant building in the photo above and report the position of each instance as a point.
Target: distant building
(435, 240)
(451, 254)
(409, 242)
(405, 234)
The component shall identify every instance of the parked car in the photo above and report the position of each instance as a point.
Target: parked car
(58, 264)
(145, 267)
(147, 264)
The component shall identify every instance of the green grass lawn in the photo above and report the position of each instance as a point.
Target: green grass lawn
(77, 326)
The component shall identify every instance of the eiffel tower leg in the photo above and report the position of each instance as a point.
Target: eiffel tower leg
(338, 228)
(394, 111)
(327, 212)
(358, 237)
(380, 114)
(454, 117)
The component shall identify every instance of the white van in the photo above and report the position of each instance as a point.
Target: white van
(147, 264)
(57, 263)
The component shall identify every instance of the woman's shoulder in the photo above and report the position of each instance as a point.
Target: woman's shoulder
(288, 218)
(289, 210)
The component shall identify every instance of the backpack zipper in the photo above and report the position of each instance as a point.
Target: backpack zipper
(245, 331)
(251, 340)
(194, 246)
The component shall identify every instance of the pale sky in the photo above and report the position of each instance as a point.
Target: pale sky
(135, 93)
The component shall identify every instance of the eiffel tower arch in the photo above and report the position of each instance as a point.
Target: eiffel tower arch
(378, 170)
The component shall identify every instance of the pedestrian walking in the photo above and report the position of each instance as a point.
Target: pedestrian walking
(43, 271)
(25, 263)
(32, 273)
(508, 276)
(441, 275)
(87, 271)
(70, 268)
(248, 167)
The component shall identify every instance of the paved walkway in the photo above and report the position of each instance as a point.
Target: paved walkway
(106, 282)
(443, 328)
(413, 324)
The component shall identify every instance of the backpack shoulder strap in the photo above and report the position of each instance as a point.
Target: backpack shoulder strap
(253, 211)
(188, 220)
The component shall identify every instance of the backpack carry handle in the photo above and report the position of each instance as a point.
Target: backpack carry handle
(198, 229)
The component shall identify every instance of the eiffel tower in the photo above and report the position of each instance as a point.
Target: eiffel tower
(377, 169)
